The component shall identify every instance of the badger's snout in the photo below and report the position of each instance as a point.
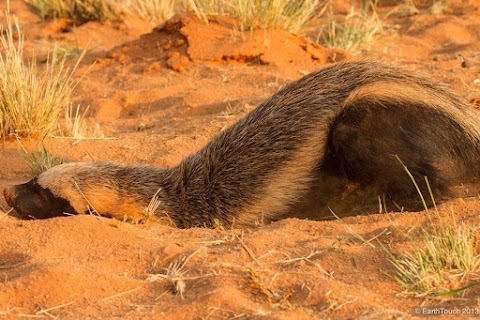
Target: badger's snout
(32, 201)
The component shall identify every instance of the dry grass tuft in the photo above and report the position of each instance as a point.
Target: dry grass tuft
(154, 11)
(438, 6)
(176, 273)
(74, 125)
(445, 262)
(78, 10)
(31, 100)
(409, 7)
(285, 14)
(446, 259)
(355, 32)
(81, 11)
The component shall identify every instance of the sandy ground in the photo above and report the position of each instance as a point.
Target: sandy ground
(161, 94)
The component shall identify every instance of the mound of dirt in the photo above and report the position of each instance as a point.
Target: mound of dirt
(185, 39)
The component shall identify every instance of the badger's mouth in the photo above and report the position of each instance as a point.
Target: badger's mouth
(32, 201)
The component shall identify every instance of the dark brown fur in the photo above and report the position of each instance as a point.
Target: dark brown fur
(337, 139)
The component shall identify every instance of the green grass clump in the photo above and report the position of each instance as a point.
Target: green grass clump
(40, 161)
(355, 32)
(446, 262)
(30, 100)
(289, 15)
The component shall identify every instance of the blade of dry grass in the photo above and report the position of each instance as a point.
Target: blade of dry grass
(46, 311)
(122, 293)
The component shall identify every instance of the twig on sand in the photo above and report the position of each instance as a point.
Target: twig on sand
(122, 293)
(248, 250)
(47, 311)
(11, 266)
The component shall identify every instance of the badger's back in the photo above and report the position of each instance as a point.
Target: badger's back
(339, 135)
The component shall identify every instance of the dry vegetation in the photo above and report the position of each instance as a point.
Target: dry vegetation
(354, 32)
(82, 11)
(286, 14)
(445, 260)
(31, 100)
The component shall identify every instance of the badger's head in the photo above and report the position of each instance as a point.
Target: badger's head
(52, 193)
(32, 201)
(80, 187)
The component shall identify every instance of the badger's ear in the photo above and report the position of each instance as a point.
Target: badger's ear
(32, 201)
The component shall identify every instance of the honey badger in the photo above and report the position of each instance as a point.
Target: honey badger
(336, 139)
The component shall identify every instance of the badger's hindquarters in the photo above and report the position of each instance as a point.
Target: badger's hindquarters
(337, 139)
(404, 141)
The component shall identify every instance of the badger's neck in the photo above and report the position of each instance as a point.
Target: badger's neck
(175, 190)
